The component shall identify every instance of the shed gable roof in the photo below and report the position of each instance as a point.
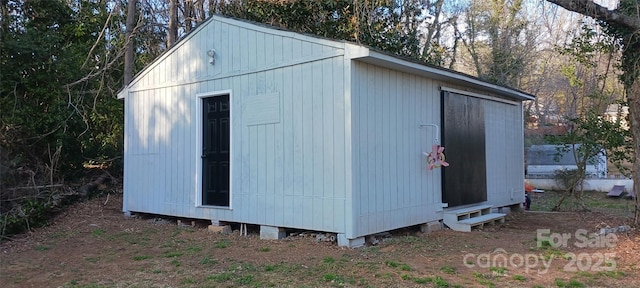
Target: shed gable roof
(353, 51)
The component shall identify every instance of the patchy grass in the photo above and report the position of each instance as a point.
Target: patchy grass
(282, 268)
(331, 277)
(405, 267)
(594, 200)
(196, 257)
(392, 264)
(222, 244)
(328, 260)
(92, 259)
(438, 281)
(172, 254)
(41, 248)
(572, 283)
(220, 278)
(265, 249)
(449, 270)
(499, 271)
(519, 278)
(98, 232)
(193, 250)
(208, 261)
(176, 263)
(141, 257)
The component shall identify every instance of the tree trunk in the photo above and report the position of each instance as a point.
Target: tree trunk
(591, 9)
(200, 12)
(129, 47)
(433, 27)
(456, 42)
(4, 20)
(188, 15)
(172, 32)
(633, 95)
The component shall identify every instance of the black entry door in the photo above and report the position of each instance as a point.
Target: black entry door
(463, 136)
(215, 151)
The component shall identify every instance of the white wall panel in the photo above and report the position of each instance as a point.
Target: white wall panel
(505, 152)
(288, 172)
(391, 183)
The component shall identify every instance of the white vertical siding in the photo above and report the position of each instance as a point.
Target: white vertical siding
(344, 153)
(505, 152)
(392, 185)
(287, 173)
(292, 195)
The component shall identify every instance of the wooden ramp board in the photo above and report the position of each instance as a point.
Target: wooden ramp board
(616, 191)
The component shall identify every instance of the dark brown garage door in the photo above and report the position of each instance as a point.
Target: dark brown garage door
(463, 136)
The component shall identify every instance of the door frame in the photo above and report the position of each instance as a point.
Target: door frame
(198, 153)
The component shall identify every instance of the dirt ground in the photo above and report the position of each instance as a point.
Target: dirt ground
(92, 244)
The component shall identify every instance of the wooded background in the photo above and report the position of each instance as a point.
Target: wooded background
(63, 61)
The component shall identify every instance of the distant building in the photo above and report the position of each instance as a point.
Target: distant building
(544, 161)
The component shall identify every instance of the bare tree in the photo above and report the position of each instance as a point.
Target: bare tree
(554, 26)
(188, 15)
(626, 25)
(499, 40)
(201, 14)
(129, 49)
(443, 36)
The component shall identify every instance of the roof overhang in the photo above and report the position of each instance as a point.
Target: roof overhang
(123, 92)
(367, 55)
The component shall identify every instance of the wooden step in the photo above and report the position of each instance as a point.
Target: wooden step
(469, 212)
(484, 219)
(464, 219)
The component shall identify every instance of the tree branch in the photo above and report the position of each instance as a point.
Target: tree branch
(95, 44)
(593, 10)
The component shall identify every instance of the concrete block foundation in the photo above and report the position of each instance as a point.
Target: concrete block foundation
(351, 243)
(431, 227)
(272, 233)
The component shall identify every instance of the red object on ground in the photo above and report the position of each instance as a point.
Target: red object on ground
(528, 187)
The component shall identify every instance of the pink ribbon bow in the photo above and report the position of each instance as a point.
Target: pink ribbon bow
(435, 158)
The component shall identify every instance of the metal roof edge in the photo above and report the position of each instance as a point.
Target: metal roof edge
(386, 60)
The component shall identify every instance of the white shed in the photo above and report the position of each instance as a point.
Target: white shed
(244, 123)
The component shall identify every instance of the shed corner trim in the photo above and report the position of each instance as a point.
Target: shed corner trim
(354, 51)
(123, 93)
